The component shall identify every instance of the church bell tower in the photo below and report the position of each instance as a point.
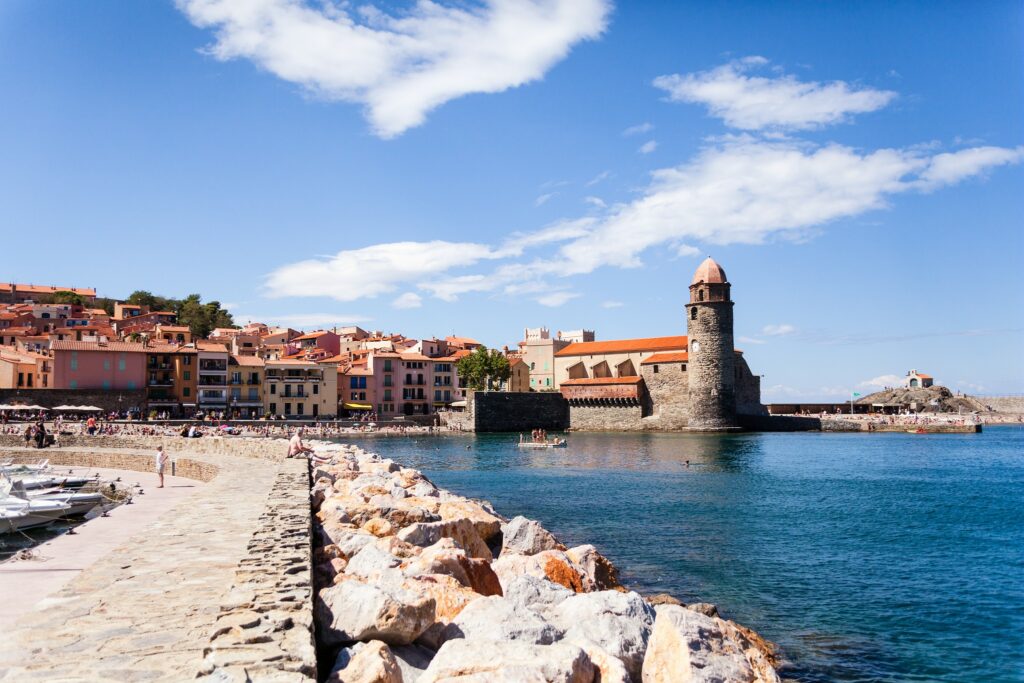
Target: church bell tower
(711, 362)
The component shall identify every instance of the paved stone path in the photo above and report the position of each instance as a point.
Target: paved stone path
(143, 612)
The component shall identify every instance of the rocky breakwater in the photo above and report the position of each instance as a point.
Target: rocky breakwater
(417, 584)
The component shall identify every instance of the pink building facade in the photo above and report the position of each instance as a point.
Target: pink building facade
(99, 365)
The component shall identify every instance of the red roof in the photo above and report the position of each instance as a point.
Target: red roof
(709, 271)
(675, 357)
(597, 381)
(625, 346)
(44, 289)
(249, 361)
(118, 346)
(311, 335)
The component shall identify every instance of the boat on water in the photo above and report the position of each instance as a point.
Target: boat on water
(17, 514)
(553, 443)
(49, 481)
(80, 503)
(917, 431)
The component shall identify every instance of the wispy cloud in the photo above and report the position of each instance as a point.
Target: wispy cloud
(778, 330)
(408, 300)
(759, 102)
(880, 382)
(612, 304)
(544, 198)
(595, 201)
(648, 147)
(600, 177)
(399, 67)
(750, 340)
(556, 299)
(302, 320)
(638, 129)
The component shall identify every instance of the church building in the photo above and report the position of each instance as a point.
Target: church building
(696, 382)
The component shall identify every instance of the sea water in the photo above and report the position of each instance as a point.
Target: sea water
(865, 557)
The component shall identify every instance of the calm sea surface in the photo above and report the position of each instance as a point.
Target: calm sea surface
(887, 557)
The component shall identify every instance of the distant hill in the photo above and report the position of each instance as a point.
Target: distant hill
(934, 399)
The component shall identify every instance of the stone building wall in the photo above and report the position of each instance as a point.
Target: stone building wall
(748, 390)
(245, 447)
(606, 418)
(506, 411)
(711, 369)
(668, 392)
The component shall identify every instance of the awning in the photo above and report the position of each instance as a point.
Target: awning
(459, 404)
(357, 406)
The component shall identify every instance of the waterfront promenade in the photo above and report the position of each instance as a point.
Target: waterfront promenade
(144, 609)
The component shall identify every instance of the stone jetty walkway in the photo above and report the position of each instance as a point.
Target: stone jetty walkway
(143, 611)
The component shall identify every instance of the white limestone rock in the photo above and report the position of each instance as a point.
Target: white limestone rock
(598, 573)
(496, 618)
(371, 562)
(412, 660)
(617, 623)
(371, 662)
(524, 536)
(690, 647)
(535, 593)
(353, 610)
(462, 531)
(463, 661)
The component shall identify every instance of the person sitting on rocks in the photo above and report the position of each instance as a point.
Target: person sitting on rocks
(296, 448)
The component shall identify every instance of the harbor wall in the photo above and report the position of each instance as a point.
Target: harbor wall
(1002, 404)
(606, 418)
(510, 411)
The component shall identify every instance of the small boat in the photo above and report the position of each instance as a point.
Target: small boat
(38, 467)
(79, 503)
(917, 431)
(556, 443)
(49, 482)
(17, 514)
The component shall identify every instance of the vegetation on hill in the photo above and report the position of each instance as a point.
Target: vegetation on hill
(201, 318)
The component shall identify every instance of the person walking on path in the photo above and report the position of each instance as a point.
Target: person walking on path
(161, 464)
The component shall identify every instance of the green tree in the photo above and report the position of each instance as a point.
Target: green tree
(65, 297)
(141, 297)
(202, 318)
(484, 368)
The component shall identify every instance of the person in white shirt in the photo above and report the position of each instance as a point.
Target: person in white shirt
(161, 464)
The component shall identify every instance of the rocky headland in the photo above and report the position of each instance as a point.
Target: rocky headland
(415, 584)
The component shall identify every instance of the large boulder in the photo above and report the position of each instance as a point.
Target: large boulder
(412, 660)
(687, 646)
(462, 531)
(487, 525)
(553, 565)
(535, 593)
(497, 619)
(450, 598)
(371, 562)
(524, 536)
(352, 610)
(445, 557)
(463, 661)
(617, 623)
(597, 571)
(371, 662)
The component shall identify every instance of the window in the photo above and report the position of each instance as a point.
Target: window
(106, 363)
(131, 386)
(21, 379)
(437, 394)
(121, 363)
(387, 366)
(106, 385)
(73, 384)
(236, 394)
(186, 392)
(287, 408)
(654, 369)
(300, 408)
(684, 367)
(273, 390)
(700, 295)
(236, 378)
(533, 366)
(74, 360)
(547, 381)
(254, 395)
(316, 387)
(316, 410)
(187, 374)
(693, 313)
(188, 359)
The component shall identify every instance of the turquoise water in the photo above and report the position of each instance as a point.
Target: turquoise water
(886, 557)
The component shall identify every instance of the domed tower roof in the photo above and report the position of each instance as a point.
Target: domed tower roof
(710, 272)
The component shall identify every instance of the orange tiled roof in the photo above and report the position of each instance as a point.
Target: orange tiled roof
(588, 381)
(204, 345)
(43, 289)
(674, 357)
(118, 346)
(248, 361)
(924, 376)
(311, 335)
(625, 346)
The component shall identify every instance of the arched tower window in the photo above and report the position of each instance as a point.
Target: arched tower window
(700, 295)
(693, 313)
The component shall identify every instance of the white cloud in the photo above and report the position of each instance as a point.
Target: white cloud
(778, 330)
(638, 129)
(602, 176)
(595, 201)
(408, 300)
(612, 304)
(402, 66)
(684, 250)
(370, 271)
(302, 320)
(757, 102)
(750, 340)
(543, 199)
(952, 167)
(648, 147)
(556, 299)
(881, 381)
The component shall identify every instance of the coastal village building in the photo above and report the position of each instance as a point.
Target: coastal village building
(245, 385)
(519, 380)
(171, 381)
(538, 350)
(300, 388)
(13, 293)
(697, 382)
(106, 365)
(213, 376)
(916, 380)
(24, 370)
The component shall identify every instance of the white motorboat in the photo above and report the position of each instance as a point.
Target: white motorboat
(50, 481)
(80, 503)
(10, 468)
(18, 514)
(554, 443)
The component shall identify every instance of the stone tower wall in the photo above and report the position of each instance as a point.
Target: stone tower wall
(712, 368)
(668, 389)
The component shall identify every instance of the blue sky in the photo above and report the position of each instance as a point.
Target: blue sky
(468, 168)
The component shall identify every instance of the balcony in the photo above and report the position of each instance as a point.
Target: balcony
(205, 381)
(415, 383)
(165, 382)
(213, 366)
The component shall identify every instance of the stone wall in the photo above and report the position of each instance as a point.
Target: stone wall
(711, 368)
(748, 390)
(779, 423)
(668, 392)
(241, 446)
(506, 411)
(1002, 404)
(117, 460)
(607, 418)
(265, 628)
(48, 398)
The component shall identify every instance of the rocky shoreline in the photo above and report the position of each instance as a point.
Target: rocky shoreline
(414, 584)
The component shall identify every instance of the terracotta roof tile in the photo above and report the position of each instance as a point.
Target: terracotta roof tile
(117, 346)
(597, 381)
(674, 357)
(624, 346)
